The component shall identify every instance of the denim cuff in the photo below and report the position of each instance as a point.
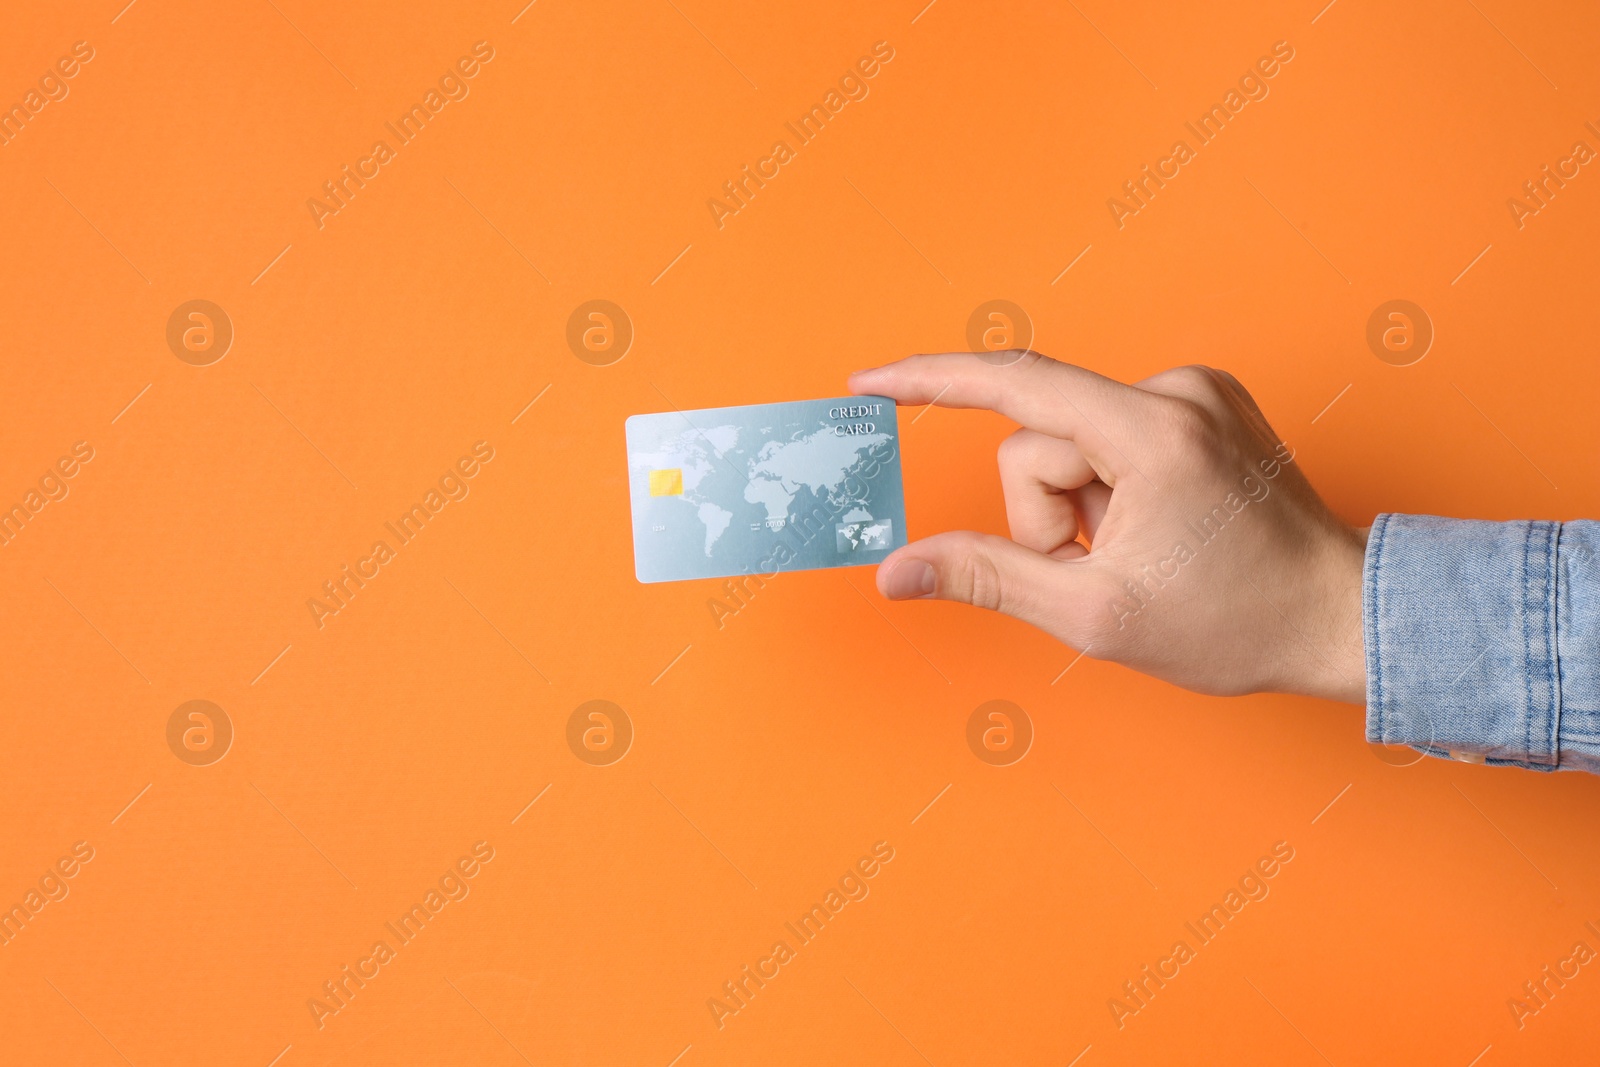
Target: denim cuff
(1463, 641)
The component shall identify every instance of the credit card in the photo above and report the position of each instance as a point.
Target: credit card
(766, 488)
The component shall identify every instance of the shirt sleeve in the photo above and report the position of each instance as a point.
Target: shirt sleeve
(1483, 640)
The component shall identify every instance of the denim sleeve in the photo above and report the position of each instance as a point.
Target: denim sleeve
(1483, 640)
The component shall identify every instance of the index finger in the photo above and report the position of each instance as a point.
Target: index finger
(1036, 391)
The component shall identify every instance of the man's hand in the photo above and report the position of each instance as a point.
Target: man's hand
(1161, 525)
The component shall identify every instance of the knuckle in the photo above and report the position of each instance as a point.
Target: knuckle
(1233, 392)
(1228, 379)
(1207, 384)
(1013, 448)
(1193, 378)
(1189, 423)
(983, 583)
(1192, 382)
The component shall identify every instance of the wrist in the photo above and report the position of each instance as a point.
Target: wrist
(1331, 635)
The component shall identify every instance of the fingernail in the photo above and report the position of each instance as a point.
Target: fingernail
(912, 578)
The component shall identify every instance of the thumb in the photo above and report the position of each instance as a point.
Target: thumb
(983, 570)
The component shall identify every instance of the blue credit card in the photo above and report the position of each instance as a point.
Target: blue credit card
(765, 488)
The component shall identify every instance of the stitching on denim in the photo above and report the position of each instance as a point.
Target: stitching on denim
(1544, 638)
(1527, 645)
(1380, 526)
(1548, 738)
(1553, 617)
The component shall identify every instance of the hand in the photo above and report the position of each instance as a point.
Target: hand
(1161, 525)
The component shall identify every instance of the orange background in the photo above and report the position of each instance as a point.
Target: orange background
(374, 751)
